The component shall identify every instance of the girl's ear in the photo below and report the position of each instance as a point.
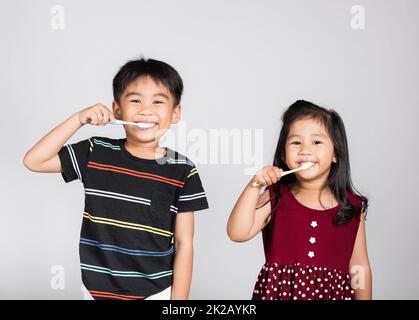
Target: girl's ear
(334, 159)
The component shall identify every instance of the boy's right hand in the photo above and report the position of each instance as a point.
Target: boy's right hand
(98, 115)
(267, 176)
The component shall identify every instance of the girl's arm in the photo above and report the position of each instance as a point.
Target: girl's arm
(43, 156)
(182, 266)
(359, 265)
(245, 220)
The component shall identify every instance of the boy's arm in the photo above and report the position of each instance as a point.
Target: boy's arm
(182, 267)
(43, 156)
(359, 265)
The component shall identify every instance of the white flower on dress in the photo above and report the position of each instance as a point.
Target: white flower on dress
(314, 224)
(311, 254)
(312, 240)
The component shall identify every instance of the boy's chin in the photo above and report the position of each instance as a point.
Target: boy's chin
(141, 137)
(143, 141)
(146, 135)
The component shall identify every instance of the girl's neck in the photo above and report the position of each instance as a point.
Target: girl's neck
(314, 195)
(314, 187)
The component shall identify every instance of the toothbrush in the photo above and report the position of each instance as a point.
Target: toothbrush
(140, 124)
(304, 166)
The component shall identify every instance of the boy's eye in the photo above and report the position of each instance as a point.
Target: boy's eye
(157, 102)
(135, 101)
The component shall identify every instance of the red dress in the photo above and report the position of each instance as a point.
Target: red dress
(307, 256)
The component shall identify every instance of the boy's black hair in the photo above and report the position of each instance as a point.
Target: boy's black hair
(159, 71)
(339, 179)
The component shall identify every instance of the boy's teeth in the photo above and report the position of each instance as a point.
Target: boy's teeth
(145, 124)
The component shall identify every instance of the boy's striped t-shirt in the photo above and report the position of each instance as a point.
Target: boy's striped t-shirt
(126, 243)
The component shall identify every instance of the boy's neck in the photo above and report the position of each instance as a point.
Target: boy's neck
(149, 151)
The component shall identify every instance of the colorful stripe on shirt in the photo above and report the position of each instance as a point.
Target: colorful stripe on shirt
(106, 144)
(111, 295)
(74, 161)
(135, 173)
(131, 252)
(179, 161)
(124, 197)
(193, 171)
(91, 145)
(119, 196)
(127, 225)
(118, 273)
(192, 196)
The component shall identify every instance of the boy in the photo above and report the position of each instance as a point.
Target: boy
(137, 231)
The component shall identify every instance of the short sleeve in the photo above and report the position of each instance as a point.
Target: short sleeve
(73, 158)
(192, 197)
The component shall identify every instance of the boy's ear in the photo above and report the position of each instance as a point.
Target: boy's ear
(176, 114)
(116, 110)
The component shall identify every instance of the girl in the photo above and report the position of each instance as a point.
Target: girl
(312, 221)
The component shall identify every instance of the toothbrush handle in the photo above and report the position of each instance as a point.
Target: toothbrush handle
(116, 122)
(283, 173)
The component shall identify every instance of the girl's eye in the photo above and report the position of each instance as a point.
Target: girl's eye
(317, 142)
(295, 142)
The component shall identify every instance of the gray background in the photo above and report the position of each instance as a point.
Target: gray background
(243, 63)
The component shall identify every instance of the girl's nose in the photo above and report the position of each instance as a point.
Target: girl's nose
(305, 150)
(305, 153)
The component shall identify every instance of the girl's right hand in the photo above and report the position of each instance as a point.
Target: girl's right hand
(98, 115)
(267, 176)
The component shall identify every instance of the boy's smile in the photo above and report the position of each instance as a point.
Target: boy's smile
(150, 103)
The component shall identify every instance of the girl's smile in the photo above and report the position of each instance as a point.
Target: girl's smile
(308, 141)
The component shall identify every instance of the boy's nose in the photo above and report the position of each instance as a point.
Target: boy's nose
(145, 112)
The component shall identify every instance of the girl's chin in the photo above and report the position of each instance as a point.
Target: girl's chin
(308, 173)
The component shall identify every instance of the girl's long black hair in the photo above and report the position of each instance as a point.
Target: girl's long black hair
(339, 179)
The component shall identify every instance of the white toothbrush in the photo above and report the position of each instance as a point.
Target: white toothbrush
(304, 166)
(141, 125)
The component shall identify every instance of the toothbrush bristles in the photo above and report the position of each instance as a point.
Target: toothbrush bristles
(306, 165)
